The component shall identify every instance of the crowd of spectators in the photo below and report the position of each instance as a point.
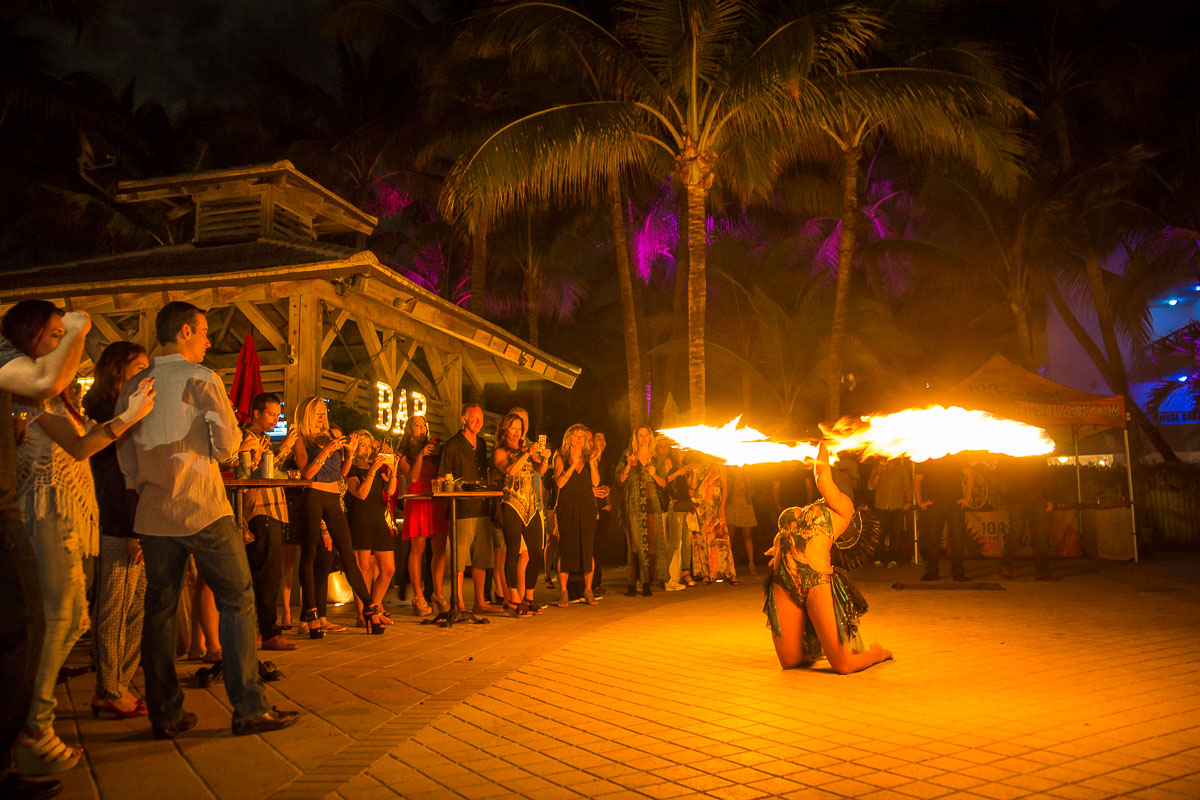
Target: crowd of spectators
(162, 441)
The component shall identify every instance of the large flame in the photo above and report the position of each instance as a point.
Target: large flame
(920, 433)
(739, 446)
(928, 433)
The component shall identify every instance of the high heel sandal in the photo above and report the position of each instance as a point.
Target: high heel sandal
(420, 607)
(46, 755)
(531, 606)
(372, 615)
(310, 618)
(440, 603)
(104, 704)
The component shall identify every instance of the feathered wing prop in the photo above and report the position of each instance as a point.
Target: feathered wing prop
(856, 546)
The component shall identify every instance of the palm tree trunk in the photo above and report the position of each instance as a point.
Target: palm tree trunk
(1143, 422)
(697, 291)
(837, 335)
(1116, 362)
(633, 359)
(533, 290)
(479, 269)
(1024, 339)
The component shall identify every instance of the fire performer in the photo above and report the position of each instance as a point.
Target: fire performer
(809, 607)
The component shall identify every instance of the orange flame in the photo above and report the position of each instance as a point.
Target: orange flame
(928, 433)
(920, 433)
(739, 446)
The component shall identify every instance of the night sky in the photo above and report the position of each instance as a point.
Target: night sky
(196, 50)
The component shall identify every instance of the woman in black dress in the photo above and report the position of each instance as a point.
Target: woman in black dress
(576, 473)
(370, 485)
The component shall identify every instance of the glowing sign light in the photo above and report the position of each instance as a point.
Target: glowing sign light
(394, 407)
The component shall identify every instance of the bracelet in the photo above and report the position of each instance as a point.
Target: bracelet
(108, 431)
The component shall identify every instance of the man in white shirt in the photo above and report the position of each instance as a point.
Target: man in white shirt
(172, 460)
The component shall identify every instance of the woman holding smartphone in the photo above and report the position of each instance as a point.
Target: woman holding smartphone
(423, 519)
(321, 460)
(370, 486)
(520, 464)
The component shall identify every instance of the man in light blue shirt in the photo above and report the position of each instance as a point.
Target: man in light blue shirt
(172, 460)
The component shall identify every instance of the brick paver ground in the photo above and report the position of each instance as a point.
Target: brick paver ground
(1084, 688)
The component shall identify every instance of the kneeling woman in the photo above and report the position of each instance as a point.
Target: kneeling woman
(807, 604)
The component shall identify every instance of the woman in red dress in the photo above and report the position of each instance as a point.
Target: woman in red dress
(423, 519)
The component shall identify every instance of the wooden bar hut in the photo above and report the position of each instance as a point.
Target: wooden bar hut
(326, 318)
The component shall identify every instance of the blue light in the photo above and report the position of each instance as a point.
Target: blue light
(1173, 302)
(1196, 288)
(1182, 378)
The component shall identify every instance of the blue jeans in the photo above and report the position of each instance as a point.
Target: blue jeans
(221, 558)
(21, 624)
(60, 571)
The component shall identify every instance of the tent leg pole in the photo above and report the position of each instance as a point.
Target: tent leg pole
(1078, 482)
(912, 465)
(1132, 508)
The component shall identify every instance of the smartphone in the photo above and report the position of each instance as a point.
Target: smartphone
(542, 440)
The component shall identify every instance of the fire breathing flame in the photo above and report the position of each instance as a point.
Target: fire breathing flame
(928, 433)
(919, 433)
(739, 446)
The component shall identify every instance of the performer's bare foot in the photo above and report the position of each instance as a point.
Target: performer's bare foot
(876, 647)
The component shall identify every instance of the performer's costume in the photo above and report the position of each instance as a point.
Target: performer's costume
(797, 578)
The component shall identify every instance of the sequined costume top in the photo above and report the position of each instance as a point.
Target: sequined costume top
(519, 491)
(790, 570)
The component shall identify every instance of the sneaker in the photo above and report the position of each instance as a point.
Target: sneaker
(892, 564)
(675, 586)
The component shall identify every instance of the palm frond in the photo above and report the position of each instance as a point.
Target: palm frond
(559, 155)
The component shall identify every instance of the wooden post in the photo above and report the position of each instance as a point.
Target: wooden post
(302, 375)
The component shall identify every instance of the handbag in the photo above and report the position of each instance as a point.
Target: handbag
(340, 592)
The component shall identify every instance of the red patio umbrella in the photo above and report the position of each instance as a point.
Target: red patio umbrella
(247, 380)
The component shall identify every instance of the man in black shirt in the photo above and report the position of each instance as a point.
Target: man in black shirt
(465, 458)
(21, 616)
(943, 488)
(1017, 486)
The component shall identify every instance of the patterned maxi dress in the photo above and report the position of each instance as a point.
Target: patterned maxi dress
(644, 516)
(711, 555)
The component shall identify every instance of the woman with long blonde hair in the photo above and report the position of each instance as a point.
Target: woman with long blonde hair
(576, 474)
(371, 487)
(423, 519)
(321, 459)
(644, 524)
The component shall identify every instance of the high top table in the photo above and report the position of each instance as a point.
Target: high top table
(235, 487)
(446, 619)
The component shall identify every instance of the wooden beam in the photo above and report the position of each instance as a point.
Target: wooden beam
(264, 326)
(302, 375)
(379, 368)
(506, 372)
(105, 327)
(405, 359)
(146, 335)
(471, 371)
(338, 322)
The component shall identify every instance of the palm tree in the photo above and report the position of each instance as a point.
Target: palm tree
(948, 103)
(693, 90)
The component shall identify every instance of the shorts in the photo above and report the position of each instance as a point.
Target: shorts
(475, 537)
